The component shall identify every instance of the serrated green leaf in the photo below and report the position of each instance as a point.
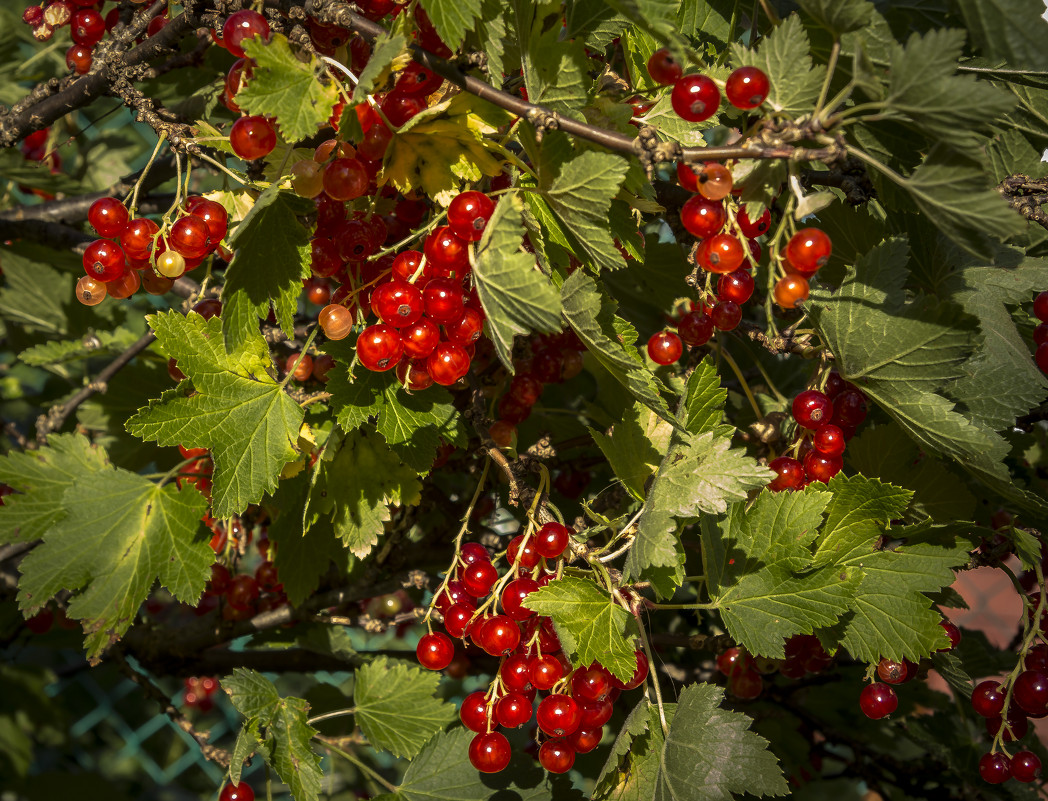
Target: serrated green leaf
(249, 740)
(355, 485)
(517, 298)
(580, 195)
(32, 294)
(272, 257)
(857, 516)
(785, 57)
(121, 533)
(386, 48)
(667, 122)
(592, 318)
(839, 16)
(395, 706)
(591, 626)
(555, 73)
(636, 777)
(707, 20)
(1007, 30)
(635, 725)
(453, 19)
(951, 669)
(92, 344)
(238, 412)
(704, 399)
(253, 695)
(284, 87)
(41, 478)
(413, 424)
(657, 17)
(634, 446)
(710, 753)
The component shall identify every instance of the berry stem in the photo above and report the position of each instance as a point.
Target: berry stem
(131, 201)
(652, 677)
(328, 745)
(831, 68)
(338, 713)
(723, 353)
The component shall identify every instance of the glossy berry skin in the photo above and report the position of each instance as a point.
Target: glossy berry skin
(241, 26)
(1031, 692)
(242, 592)
(468, 215)
(457, 618)
(585, 740)
(714, 181)
(721, 253)
(252, 137)
(558, 715)
(108, 217)
(995, 768)
(489, 753)
(1040, 334)
(214, 216)
(640, 673)
(747, 87)
(702, 218)
(523, 554)
(448, 363)
(335, 321)
(892, 672)
(753, 228)
(726, 315)
(664, 68)
(499, 636)
(90, 291)
(736, 287)
(1025, 766)
(397, 303)
(747, 685)
(790, 290)
(1040, 306)
(807, 251)
(79, 58)
(417, 80)
(790, 474)
(819, 467)
(379, 348)
(443, 300)
(829, 440)
(513, 710)
(953, 634)
(406, 264)
(590, 684)
(695, 98)
(190, 236)
(695, 328)
(104, 261)
(420, 339)
(399, 108)
(878, 700)
(551, 540)
(545, 671)
(345, 179)
(595, 714)
(988, 698)
(466, 329)
(435, 651)
(1040, 357)
(812, 409)
(665, 347)
(237, 792)
(557, 755)
(734, 662)
(474, 711)
(1037, 658)
(445, 249)
(849, 408)
(513, 596)
(515, 675)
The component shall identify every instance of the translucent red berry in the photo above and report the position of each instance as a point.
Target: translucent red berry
(551, 539)
(663, 68)
(695, 328)
(789, 474)
(558, 715)
(726, 315)
(988, 698)
(878, 700)
(448, 363)
(556, 755)
(736, 287)
(513, 710)
(746, 87)
(435, 650)
(812, 409)
(1040, 306)
(397, 303)
(468, 214)
(695, 98)
(807, 251)
(995, 768)
(702, 218)
(241, 26)
(489, 753)
(665, 347)
(1025, 766)
(252, 137)
(379, 347)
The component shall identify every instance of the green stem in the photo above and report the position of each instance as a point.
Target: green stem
(742, 380)
(174, 471)
(338, 713)
(374, 774)
(133, 204)
(831, 67)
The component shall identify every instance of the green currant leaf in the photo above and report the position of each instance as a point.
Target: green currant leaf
(1007, 31)
(453, 19)
(704, 400)
(556, 73)
(634, 446)
(856, 517)
(839, 16)
(237, 410)
(92, 344)
(386, 48)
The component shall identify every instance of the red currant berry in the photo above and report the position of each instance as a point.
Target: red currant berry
(104, 261)
(397, 303)
(252, 137)
(988, 698)
(878, 700)
(1037, 658)
(590, 684)
(687, 177)
(664, 68)
(214, 216)
(736, 287)
(474, 711)
(640, 673)
(819, 467)
(417, 80)
(1025, 766)
(551, 540)
(754, 228)
(695, 328)
(747, 87)
(108, 217)
(585, 740)
(87, 27)
(1040, 357)
(527, 557)
(237, 792)
(335, 321)
(747, 685)
(190, 237)
(790, 290)
(435, 650)
(515, 674)
(734, 662)
(469, 213)
(726, 315)
(953, 634)
(448, 363)
(789, 474)
(1040, 334)
(345, 179)
(478, 578)
(829, 440)
(1040, 306)
(513, 710)
(90, 291)
(557, 755)
(446, 250)
(665, 347)
(545, 671)
(420, 339)
(79, 58)
(406, 264)
(513, 597)
(595, 714)
(489, 753)
(399, 108)
(721, 253)
(807, 251)
(558, 715)
(444, 301)
(243, 591)
(811, 409)
(701, 217)
(500, 635)
(457, 618)
(695, 98)
(241, 26)
(379, 348)
(849, 408)
(1031, 692)
(995, 768)
(466, 329)
(891, 672)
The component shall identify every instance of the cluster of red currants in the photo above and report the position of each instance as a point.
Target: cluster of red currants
(137, 252)
(696, 98)
(198, 692)
(428, 310)
(243, 595)
(571, 717)
(745, 673)
(1040, 333)
(827, 420)
(34, 148)
(86, 24)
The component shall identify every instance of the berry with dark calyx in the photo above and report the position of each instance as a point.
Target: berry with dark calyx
(466, 329)
(558, 715)
(515, 674)
(995, 768)
(807, 251)
(878, 700)
(90, 291)
(241, 26)
(726, 315)
(829, 440)
(790, 290)
(513, 710)
(523, 554)
(753, 228)
(1025, 766)
(695, 98)
(664, 347)
(790, 474)
(104, 260)
(736, 287)
(397, 303)
(108, 217)
(545, 671)
(380, 348)
(490, 752)
(721, 253)
(812, 409)
(237, 792)
(252, 137)
(556, 755)
(190, 236)
(468, 215)
(448, 363)
(702, 218)
(551, 540)
(695, 328)
(953, 634)
(988, 698)
(79, 58)
(335, 321)
(663, 68)
(513, 596)
(714, 181)
(747, 87)
(1030, 692)
(891, 672)
(478, 578)
(1040, 307)
(417, 80)
(435, 650)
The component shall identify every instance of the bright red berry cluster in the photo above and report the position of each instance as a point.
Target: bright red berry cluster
(579, 700)
(198, 692)
(696, 98)
(826, 420)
